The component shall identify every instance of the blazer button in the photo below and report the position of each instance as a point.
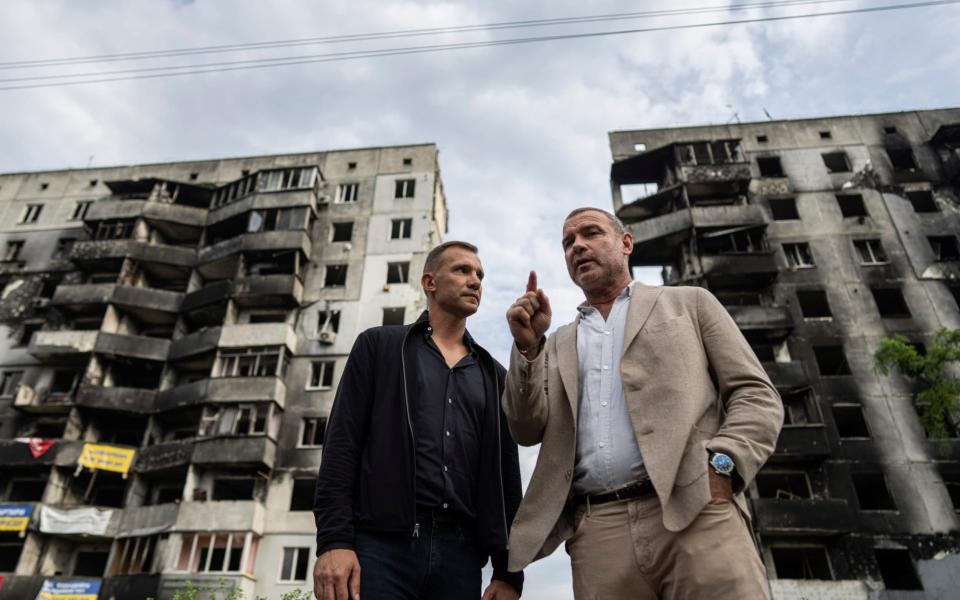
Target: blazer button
(568, 474)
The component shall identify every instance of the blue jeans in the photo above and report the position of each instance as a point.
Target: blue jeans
(443, 563)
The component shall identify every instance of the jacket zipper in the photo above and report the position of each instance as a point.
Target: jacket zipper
(413, 440)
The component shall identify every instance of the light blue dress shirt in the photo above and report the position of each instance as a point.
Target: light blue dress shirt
(608, 456)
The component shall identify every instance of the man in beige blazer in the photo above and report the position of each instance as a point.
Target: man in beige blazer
(654, 414)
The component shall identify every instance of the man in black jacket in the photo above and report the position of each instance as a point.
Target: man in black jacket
(419, 475)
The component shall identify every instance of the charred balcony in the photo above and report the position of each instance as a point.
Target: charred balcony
(140, 585)
(254, 451)
(802, 443)
(17, 454)
(715, 167)
(132, 346)
(88, 253)
(194, 344)
(280, 289)
(47, 391)
(80, 298)
(762, 322)
(787, 375)
(63, 345)
(117, 399)
(802, 516)
(164, 456)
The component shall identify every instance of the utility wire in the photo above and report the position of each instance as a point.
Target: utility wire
(128, 56)
(150, 73)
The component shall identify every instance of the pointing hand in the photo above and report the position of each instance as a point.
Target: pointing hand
(529, 317)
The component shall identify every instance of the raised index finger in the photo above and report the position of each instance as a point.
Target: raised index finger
(532, 282)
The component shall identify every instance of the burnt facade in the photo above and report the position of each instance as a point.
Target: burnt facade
(822, 237)
(172, 338)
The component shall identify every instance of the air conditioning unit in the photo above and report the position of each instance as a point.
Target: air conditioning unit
(25, 395)
(324, 199)
(327, 337)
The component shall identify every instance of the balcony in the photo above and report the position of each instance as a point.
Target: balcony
(254, 451)
(772, 322)
(43, 402)
(715, 180)
(212, 293)
(258, 334)
(787, 375)
(193, 344)
(273, 241)
(655, 240)
(246, 389)
(221, 515)
(149, 299)
(813, 516)
(90, 252)
(160, 457)
(79, 296)
(747, 269)
(802, 443)
(264, 200)
(17, 454)
(146, 520)
(268, 290)
(62, 345)
(134, 346)
(141, 585)
(118, 399)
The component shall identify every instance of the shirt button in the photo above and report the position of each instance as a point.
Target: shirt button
(449, 400)
(602, 444)
(605, 367)
(445, 505)
(604, 403)
(448, 434)
(606, 333)
(444, 468)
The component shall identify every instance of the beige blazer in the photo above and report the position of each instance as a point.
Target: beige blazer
(683, 357)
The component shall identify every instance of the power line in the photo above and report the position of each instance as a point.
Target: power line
(173, 71)
(126, 56)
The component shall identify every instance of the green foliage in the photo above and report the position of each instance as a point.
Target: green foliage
(223, 592)
(938, 392)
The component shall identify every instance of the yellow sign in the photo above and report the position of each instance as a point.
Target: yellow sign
(107, 458)
(15, 517)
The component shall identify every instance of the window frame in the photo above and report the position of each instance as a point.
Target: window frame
(328, 370)
(297, 550)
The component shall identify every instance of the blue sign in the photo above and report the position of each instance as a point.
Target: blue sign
(15, 517)
(69, 589)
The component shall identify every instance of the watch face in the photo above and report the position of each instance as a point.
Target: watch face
(722, 463)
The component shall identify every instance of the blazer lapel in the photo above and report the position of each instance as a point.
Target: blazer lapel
(642, 300)
(567, 363)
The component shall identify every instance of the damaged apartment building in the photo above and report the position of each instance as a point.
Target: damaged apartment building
(823, 237)
(172, 335)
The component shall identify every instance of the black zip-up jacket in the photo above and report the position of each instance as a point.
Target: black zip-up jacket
(367, 471)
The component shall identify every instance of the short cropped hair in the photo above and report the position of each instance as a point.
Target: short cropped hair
(615, 222)
(433, 258)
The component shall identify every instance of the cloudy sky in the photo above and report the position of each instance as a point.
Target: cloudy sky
(521, 129)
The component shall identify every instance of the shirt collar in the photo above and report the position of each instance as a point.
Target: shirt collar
(467, 338)
(585, 307)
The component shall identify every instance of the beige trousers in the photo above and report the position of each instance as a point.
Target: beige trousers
(621, 551)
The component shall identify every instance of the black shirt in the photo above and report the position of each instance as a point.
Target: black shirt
(448, 410)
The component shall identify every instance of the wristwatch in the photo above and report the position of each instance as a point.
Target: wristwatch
(722, 464)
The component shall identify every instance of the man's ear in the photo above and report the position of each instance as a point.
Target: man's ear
(428, 282)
